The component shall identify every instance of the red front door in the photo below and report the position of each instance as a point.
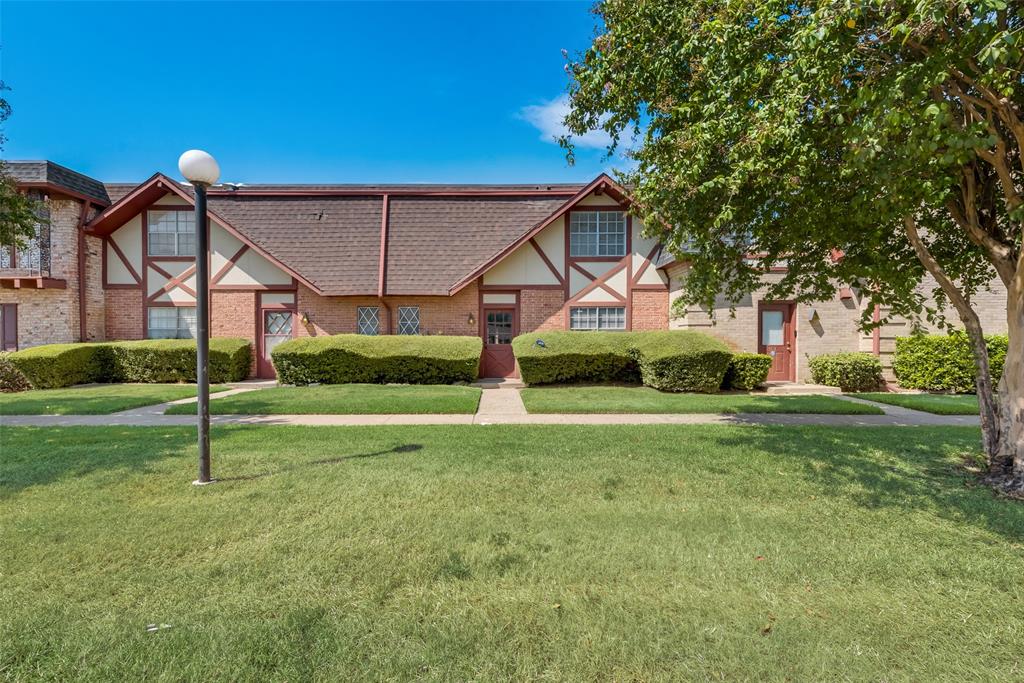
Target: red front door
(499, 327)
(275, 327)
(777, 337)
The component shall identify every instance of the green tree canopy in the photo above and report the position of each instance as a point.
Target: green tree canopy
(853, 142)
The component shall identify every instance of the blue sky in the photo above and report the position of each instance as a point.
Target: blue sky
(296, 92)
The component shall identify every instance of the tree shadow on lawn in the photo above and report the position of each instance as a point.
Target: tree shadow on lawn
(71, 452)
(917, 469)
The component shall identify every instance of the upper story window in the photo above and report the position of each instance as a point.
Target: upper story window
(171, 233)
(597, 233)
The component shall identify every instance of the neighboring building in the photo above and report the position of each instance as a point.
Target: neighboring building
(117, 262)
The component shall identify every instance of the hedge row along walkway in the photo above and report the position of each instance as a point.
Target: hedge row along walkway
(497, 406)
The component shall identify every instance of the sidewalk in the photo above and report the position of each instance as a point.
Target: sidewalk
(497, 406)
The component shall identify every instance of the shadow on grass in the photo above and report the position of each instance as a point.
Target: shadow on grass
(58, 453)
(404, 448)
(917, 468)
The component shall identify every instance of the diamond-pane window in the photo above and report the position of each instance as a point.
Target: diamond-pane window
(408, 320)
(278, 322)
(368, 320)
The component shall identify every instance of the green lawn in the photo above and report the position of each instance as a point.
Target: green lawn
(941, 404)
(98, 399)
(507, 553)
(616, 399)
(345, 399)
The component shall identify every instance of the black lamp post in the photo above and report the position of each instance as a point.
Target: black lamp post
(201, 170)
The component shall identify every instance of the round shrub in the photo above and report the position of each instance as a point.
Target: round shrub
(747, 371)
(936, 362)
(850, 371)
(386, 359)
(668, 360)
(680, 360)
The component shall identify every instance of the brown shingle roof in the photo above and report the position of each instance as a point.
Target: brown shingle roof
(47, 172)
(433, 242)
(334, 242)
(438, 236)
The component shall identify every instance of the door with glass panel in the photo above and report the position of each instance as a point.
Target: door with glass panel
(275, 327)
(500, 325)
(777, 337)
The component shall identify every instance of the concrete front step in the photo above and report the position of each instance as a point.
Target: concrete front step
(499, 383)
(798, 389)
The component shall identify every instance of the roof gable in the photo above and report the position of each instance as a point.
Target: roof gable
(435, 239)
(603, 183)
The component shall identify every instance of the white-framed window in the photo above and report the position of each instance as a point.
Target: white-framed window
(597, 233)
(171, 322)
(368, 320)
(408, 320)
(597, 318)
(171, 233)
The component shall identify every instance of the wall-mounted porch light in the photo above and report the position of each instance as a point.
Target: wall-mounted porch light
(471, 320)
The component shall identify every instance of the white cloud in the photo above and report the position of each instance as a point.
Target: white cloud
(548, 118)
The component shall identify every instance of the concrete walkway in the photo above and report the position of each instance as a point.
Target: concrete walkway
(497, 406)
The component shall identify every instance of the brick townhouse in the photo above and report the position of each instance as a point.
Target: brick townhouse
(117, 261)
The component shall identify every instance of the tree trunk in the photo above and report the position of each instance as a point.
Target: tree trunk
(1010, 448)
(988, 409)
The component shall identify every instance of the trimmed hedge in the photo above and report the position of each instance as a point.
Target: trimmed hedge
(11, 379)
(670, 361)
(153, 360)
(850, 371)
(53, 366)
(387, 359)
(174, 360)
(938, 362)
(680, 361)
(569, 357)
(747, 371)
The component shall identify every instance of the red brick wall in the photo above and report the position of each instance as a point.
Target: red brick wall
(233, 314)
(541, 309)
(438, 314)
(650, 310)
(123, 314)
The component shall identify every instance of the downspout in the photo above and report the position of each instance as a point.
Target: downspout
(82, 305)
(876, 333)
(382, 263)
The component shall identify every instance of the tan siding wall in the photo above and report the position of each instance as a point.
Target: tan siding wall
(96, 302)
(50, 316)
(833, 330)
